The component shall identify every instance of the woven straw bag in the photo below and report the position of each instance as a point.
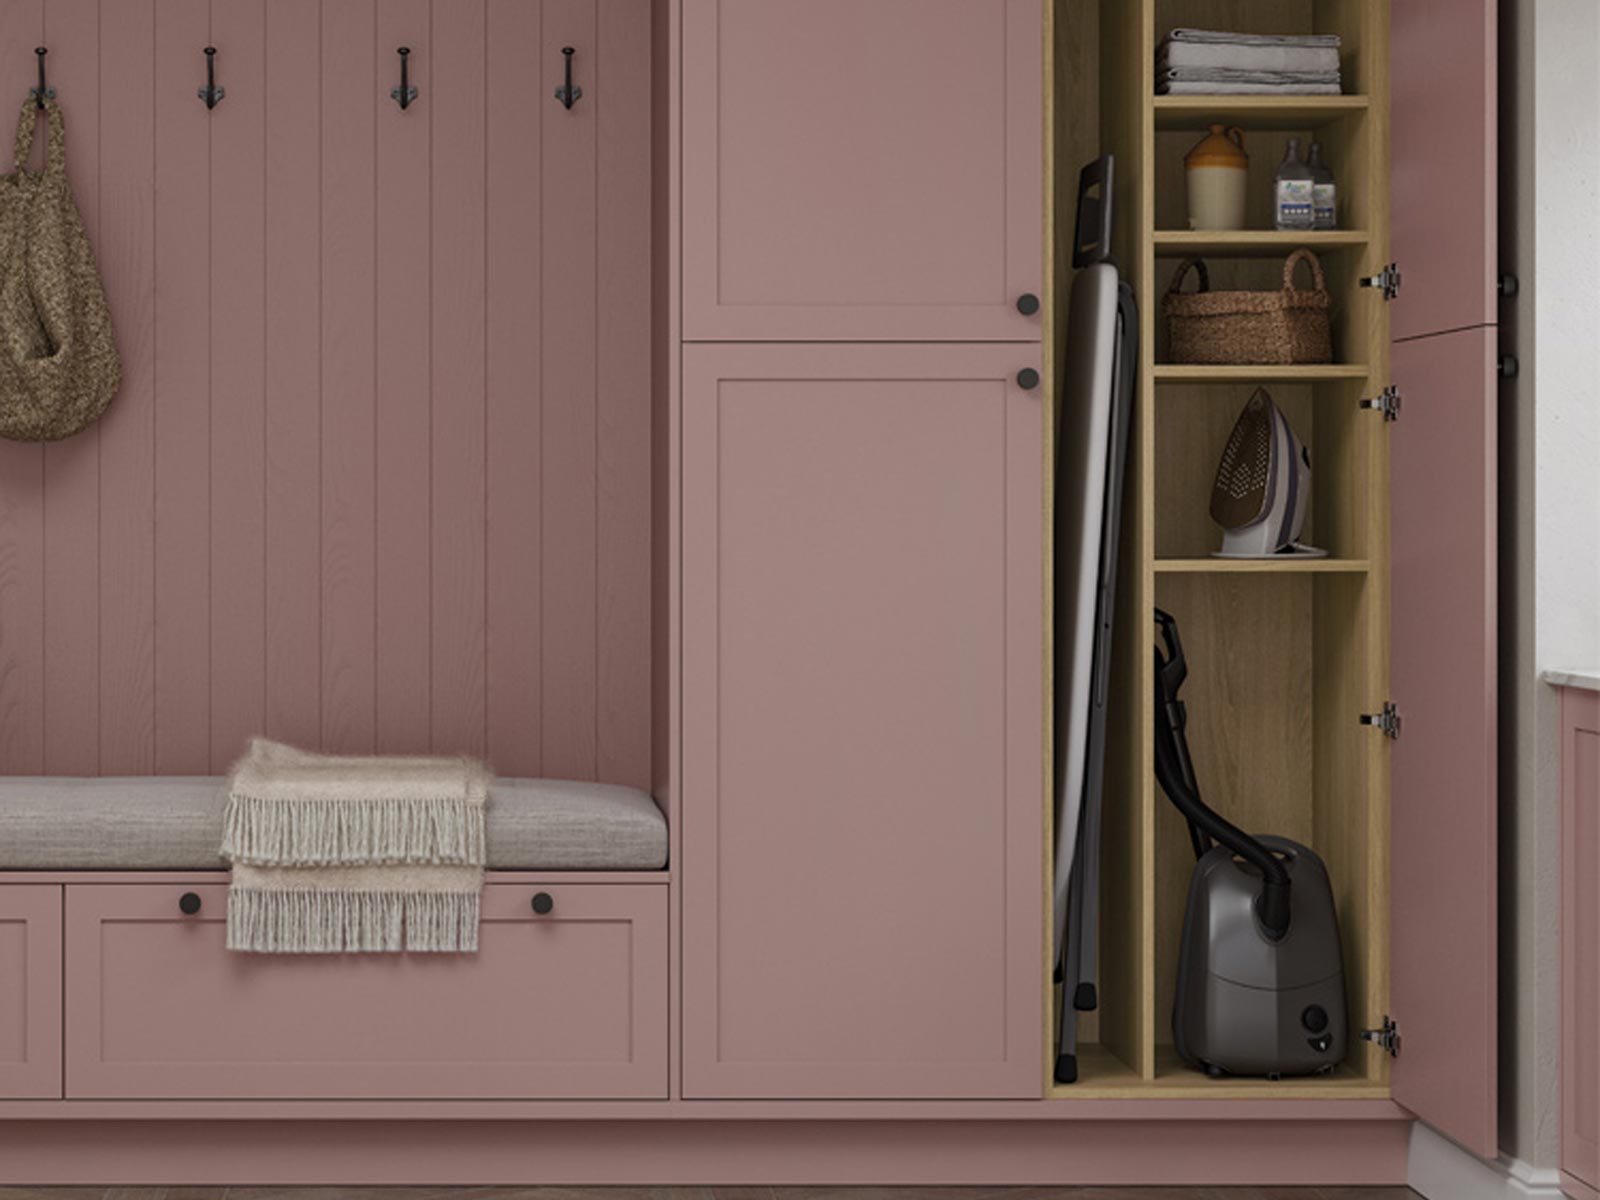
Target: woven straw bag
(1232, 328)
(58, 355)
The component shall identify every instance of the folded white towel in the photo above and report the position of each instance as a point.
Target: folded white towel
(1228, 75)
(1180, 88)
(1320, 59)
(1253, 39)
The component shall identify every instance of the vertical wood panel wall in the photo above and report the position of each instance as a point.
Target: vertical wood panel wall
(378, 477)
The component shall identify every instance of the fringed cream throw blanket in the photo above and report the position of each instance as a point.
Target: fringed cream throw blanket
(334, 854)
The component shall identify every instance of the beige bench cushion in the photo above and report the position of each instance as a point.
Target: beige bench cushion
(174, 823)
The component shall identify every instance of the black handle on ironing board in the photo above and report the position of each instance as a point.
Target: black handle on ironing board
(1096, 203)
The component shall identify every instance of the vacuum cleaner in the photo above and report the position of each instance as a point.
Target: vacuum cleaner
(1260, 988)
(1263, 486)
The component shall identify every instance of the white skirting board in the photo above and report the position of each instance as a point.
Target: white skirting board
(1441, 1170)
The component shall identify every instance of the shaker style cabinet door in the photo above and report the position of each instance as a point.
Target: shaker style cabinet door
(862, 171)
(1443, 556)
(30, 992)
(1580, 941)
(862, 690)
(1443, 814)
(563, 1002)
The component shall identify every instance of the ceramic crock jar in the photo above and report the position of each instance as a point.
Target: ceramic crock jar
(1218, 170)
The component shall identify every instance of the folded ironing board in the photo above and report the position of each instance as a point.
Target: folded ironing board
(1096, 407)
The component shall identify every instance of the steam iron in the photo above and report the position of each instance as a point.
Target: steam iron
(1263, 486)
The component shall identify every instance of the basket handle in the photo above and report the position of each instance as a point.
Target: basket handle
(1299, 256)
(1183, 273)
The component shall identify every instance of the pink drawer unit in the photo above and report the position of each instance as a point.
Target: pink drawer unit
(571, 1003)
(30, 992)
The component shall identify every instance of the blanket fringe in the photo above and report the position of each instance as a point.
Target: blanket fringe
(329, 922)
(301, 833)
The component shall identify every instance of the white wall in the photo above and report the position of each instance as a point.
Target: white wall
(1550, 529)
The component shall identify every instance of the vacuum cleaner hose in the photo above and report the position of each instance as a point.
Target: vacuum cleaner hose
(1176, 777)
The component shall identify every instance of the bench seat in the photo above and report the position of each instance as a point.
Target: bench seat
(174, 823)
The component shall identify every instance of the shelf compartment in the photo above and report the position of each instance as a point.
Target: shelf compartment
(1192, 426)
(1262, 566)
(1266, 113)
(1101, 1076)
(1281, 668)
(1252, 243)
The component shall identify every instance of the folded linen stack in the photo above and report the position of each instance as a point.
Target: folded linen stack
(335, 854)
(1193, 62)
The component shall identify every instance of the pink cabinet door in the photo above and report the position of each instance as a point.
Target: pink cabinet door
(1444, 184)
(573, 1004)
(1444, 794)
(862, 757)
(1580, 939)
(30, 992)
(862, 171)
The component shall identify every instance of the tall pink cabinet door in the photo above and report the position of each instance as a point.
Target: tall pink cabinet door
(1444, 82)
(30, 992)
(1580, 942)
(862, 171)
(1444, 649)
(1444, 765)
(861, 722)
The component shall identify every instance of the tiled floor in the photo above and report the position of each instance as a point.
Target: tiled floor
(717, 1193)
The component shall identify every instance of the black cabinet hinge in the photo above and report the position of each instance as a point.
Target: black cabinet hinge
(1386, 1039)
(1387, 402)
(1387, 281)
(1386, 722)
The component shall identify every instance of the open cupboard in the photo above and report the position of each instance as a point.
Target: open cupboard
(853, 209)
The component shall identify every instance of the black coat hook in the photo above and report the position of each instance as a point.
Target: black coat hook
(211, 93)
(43, 92)
(405, 93)
(566, 93)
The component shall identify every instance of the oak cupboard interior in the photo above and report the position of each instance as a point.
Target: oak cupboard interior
(1285, 655)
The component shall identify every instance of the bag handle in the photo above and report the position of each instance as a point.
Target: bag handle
(1184, 267)
(55, 155)
(1299, 256)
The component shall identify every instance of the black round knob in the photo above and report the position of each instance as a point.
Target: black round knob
(189, 903)
(543, 903)
(1315, 1018)
(1027, 304)
(1027, 379)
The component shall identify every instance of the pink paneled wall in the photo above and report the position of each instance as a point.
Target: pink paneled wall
(378, 477)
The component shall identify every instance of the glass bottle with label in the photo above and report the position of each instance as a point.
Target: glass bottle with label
(1293, 205)
(1324, 192)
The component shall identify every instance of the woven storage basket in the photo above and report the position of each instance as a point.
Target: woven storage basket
(1233, 328)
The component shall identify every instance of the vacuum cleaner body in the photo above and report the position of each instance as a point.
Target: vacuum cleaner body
(1248, 1005)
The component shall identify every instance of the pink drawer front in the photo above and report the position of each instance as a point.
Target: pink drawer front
(30, 992)
(572, 1004)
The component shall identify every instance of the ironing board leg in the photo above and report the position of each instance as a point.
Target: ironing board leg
(1086, 926)
(1066, 1070)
